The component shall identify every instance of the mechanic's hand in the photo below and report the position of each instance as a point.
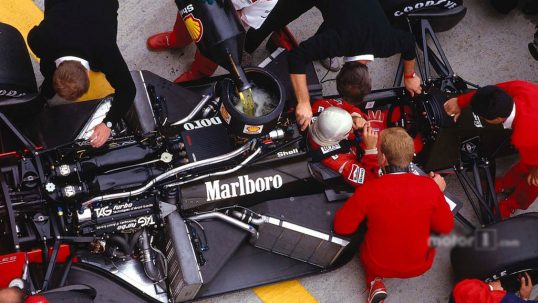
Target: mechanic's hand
(101, 133)
(496, 285)
(303, 114)
(369, 136)
(452, 108)
(532, 178)
(437, 178)
(526, 286)
(413, 85)
(358, 122)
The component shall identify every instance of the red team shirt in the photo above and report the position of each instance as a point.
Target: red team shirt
(401, 211)
(525, 125)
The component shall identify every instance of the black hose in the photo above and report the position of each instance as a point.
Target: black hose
(150, 269)
(134, 239)
(122, 243)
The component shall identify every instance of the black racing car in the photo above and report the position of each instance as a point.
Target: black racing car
(190, 198)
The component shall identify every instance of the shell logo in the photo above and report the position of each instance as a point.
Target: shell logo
(252, 129)
(194, 27)
(225, 115)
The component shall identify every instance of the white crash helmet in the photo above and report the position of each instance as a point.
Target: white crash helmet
(331, 126)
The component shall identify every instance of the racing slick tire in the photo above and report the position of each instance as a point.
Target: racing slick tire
(17, 76)
(443, 15)
(498, 250)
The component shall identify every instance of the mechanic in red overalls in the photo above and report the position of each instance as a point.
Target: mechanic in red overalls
(401, 210)
(513, 104)
(251, 12)
(474, 291)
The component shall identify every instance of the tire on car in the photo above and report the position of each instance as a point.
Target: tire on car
(17, 76)
(498, 250)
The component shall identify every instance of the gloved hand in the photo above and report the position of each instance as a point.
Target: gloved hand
(376, 120)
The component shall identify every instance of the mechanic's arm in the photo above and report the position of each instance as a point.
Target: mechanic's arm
(411, 79)
(525, 288)
(454, 105)
(38, 45)
(47, 69)
(320, 46)
(406, 45)
(118, 75)
(303, 110)
(442, 220)
(348, 218)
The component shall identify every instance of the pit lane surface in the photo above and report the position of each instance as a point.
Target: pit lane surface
(485, 48)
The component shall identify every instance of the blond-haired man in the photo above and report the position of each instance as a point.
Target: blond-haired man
(401, 210)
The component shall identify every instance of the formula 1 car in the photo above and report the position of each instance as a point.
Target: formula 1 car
(190, 198)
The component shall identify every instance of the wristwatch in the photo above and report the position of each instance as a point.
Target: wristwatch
(410, 76)
(108, 124)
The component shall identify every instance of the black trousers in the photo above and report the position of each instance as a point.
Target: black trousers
(284, 12)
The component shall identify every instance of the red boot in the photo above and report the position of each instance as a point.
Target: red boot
(377, 292)
(283, 38)
(178, 38)
(201, 67)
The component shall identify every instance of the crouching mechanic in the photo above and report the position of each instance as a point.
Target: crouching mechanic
(474, 290)
(512, 104)
(401, 210)
(331, 139)
(252, 14)
(77, 35)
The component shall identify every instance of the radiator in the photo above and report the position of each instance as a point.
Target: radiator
(184, 276)
(298, 242)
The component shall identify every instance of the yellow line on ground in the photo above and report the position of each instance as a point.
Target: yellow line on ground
(284, 292)
(24, 15)
(21, 14)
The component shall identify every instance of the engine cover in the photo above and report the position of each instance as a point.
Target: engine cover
(205, 139)
(118, 216)
(278, 179)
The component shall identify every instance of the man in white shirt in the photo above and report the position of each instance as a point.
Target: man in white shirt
(252, 14)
